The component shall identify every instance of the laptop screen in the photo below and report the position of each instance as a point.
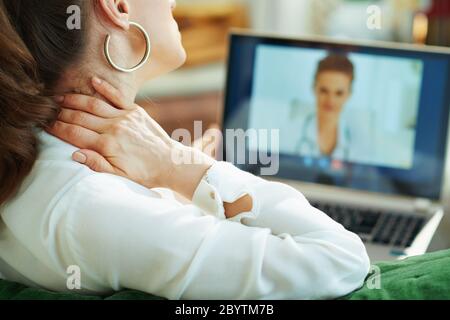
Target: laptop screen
(359, 117)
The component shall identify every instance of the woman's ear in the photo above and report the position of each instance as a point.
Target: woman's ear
(117, 12)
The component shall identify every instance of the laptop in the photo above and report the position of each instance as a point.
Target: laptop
(361, 129)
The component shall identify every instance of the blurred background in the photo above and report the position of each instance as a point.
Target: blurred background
(195, 91)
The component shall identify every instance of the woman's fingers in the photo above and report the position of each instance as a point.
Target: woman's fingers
(75, 135)
(83, 119)
(94, 161)
(112, 94)
(90, 105)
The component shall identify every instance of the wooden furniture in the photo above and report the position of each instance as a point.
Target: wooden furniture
(204, 28)
(439, 23)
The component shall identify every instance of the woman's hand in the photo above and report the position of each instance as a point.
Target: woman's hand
(121, 138)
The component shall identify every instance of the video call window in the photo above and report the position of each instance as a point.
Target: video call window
(355, 108)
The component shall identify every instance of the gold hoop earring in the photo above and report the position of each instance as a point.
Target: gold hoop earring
(140, 64)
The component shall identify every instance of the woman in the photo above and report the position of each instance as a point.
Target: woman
(324, 132)
(115, 215)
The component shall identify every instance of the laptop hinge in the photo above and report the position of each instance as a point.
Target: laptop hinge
(422, 205)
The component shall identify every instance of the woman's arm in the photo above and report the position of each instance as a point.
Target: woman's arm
(122, 239)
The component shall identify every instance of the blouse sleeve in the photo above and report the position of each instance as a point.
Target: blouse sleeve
(283, 249)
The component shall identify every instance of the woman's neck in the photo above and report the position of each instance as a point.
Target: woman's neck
(78, 79)
(81, 82)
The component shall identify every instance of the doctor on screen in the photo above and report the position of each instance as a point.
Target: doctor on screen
(324, 132)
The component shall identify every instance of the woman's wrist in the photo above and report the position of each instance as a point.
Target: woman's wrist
(241, 205)
(185, 178)
(187, 172)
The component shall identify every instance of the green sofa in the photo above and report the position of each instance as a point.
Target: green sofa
(422, 277)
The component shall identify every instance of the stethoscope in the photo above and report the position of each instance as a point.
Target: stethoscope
(306, 144)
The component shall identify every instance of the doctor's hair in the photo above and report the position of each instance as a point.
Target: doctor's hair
(36, 47)
(338, 63)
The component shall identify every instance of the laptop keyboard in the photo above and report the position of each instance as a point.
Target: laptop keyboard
(379, 227)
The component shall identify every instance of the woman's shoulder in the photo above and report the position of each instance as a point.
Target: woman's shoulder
(53, 183)
(58, 184)
(44, 186)
(58, 197)
(108, 187)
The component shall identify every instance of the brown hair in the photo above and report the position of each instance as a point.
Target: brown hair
(336, 62)
(36, 48)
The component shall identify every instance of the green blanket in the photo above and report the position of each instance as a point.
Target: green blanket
(423, 277)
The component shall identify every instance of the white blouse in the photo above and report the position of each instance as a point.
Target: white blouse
(124, 236)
